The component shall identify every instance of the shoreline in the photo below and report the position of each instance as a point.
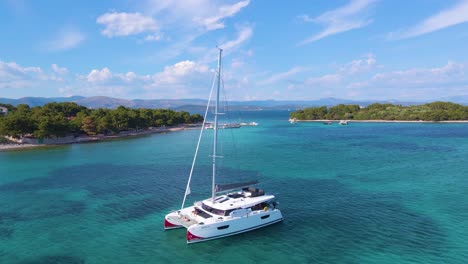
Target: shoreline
(379, 121)
(97, 138)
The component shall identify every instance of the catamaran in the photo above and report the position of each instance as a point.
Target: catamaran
(232, 208)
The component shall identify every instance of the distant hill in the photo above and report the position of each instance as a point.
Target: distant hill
(199, 104)
(39, 101)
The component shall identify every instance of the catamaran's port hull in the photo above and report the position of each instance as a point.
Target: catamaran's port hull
(223, 228)
(169, 224)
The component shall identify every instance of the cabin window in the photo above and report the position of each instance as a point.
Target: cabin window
(265, 216)
(223, 227)
(228, 212)
(260, 206)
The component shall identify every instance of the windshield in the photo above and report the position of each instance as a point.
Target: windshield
(212, 210)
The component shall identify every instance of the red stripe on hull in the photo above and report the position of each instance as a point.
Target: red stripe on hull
(191, 237)
(168, 224)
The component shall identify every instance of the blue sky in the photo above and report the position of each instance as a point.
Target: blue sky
(282, 50)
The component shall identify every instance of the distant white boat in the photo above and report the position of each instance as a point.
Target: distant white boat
(222, 126)
(232, 208)
(343, 122)
(293, 120)
(249, 124)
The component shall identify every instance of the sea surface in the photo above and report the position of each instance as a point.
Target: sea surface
(362, 193)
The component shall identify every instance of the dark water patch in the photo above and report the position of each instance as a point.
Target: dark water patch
(56, 209)
(369, 178)
(344, 221)
(30, 212)
(101, 179)
(127, 211)
(401, 146)
(160, 187)
(6, 233)
(162, 199)
(442, 131)
(10, 216)
(55, 259)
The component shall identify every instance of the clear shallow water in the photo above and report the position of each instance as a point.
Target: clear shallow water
(363, 193)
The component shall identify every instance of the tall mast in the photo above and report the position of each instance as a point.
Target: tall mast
(215, 137)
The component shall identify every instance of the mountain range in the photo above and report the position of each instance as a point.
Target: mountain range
(199, 104)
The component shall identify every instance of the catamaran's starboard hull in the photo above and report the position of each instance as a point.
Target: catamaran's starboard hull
(223, 228)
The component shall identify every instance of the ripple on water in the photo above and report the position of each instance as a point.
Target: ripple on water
(54, 259)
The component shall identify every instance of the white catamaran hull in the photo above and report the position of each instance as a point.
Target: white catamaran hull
(223, 226)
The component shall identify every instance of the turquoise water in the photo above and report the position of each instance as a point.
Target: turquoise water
(362, 193)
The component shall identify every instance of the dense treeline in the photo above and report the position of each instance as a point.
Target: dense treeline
(437, 111)
(61, 119)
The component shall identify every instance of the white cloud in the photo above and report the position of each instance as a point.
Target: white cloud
(452, 16)
(215, 22)
(184, 22)
(59, 70)
(182, 79)
(105, 76)
(415, 83)
(305, 18)
(325, 80)
(281, 76)
(125, 24)
(346, 18)
(13, 75)
(67, 38)
(154, 37)
(189, 14)
(359, 65)
(244, 34)
(451, 73)
(178, 72)
(99, 75)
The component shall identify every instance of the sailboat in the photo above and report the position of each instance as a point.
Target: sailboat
(232, 208)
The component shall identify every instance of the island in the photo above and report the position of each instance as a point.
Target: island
(430, 112)
(65, 123)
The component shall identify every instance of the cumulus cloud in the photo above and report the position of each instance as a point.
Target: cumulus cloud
(105, 76)
(354, 15)
(14, 76)
(125, 24)
(174, 81)
(454, 15)
(178, 72)
(359, 65)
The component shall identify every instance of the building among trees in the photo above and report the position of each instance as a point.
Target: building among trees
(3, 110)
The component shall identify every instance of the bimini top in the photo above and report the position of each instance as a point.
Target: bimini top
(233, 186)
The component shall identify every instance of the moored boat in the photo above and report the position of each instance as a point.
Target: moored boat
(232, 208)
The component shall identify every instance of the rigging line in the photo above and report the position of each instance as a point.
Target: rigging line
(187, 189)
